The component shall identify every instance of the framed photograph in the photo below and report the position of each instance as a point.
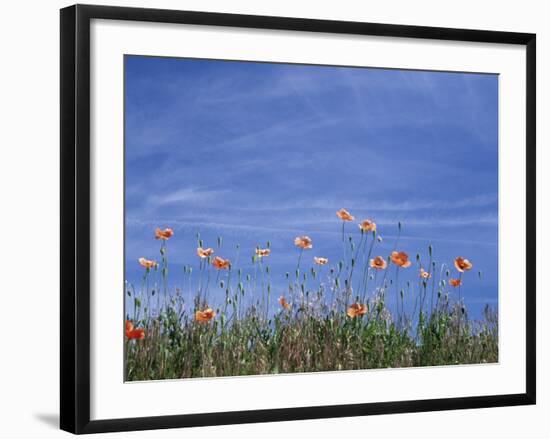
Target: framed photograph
(268, 218)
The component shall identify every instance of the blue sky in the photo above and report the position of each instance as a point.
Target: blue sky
(258, 151)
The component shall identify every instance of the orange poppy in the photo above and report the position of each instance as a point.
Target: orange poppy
(134, 334)
(463, 264)
(147, 263)
(284, 303)
(303, 242)
(205, 316)
(261, 252)
(163, 234)
(455, 282)
(220, 263)
(344, 215)
(320, 261)
(367, 226)
(378, 262)
(203, 253)
(424, 274)
(400, 259)
(357, 309)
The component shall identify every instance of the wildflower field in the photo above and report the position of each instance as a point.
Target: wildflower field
(351, 313)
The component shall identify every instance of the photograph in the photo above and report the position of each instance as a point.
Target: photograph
(288, 218)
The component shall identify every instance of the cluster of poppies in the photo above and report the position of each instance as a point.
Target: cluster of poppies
(399, 258)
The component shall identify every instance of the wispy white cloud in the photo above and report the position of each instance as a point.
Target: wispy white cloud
(326, 204)
(190, 195)
(288, 230)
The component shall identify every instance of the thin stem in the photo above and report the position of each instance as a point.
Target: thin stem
(366, 273)
(299, 259)
(396, 290)
(354, 258)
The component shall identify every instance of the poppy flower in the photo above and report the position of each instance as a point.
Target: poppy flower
(303, 242)
(463, 264)
(147, 263)
(261, 252)
(344, 215)
(320, 261)
(401, 259)
(378, 262)
(284, 303)
(455, 282)
(163, 234)
(205, 316)
(220, 263)
(424, 274)
(357, 309)
(203, 253)
(134, 334)
(367, 226)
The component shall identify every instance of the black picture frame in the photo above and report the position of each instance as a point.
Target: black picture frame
(75, 217)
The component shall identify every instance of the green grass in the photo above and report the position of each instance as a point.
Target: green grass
(175, 348)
